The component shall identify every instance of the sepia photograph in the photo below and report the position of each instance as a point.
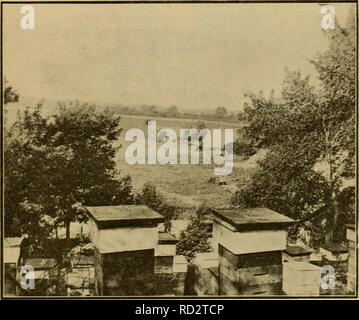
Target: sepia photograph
(179, 150)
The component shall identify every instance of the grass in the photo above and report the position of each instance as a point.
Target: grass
(185, 186)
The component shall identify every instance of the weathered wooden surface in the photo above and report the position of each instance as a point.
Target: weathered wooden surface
(301, 279)
(165, 250)
(10, 279)
(351, 235)
(179, 264)
(164, 284)
(206, 260)
(206, 281)
(250, 219)
(125, 239)
(179, 279)
(296, 254)
(259, 275)
(112, 217)
(98, 272)
(249, 241)
(250, 259)
(352, 261)
(351, 245)
(126, 273)
(265, 289)
(250, 274)
(231, 288)
(287, 258)
(164, 264)
(334, 252)
(353, 257)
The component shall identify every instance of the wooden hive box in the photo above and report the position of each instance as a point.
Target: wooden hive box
(164, 253)
(123, 228)
(125, 239)
(352, 259)
(334, 251)
(250, 274)
(250, 244)
(11, 262)
(301, 279)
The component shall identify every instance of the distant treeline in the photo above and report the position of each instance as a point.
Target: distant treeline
(220, 113)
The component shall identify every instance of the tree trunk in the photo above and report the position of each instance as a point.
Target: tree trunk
(330, 235)
(333, 220)
(67, 225)
(167, 226)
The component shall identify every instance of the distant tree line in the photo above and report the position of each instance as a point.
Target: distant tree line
(219, 114)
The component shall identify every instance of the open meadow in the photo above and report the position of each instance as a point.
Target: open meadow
(185, 186)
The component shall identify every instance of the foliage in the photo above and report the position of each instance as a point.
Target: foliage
(311, 137)
(243, 148)
(195, 237)
(55, 165)
(174, 112)
(10, 94)
(150, 197)
(200, 125)
(220, 112)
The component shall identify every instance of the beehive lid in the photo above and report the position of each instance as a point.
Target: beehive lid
(166, 238)
(335, 248)
(296, 251)
(12, 242)
(124, 216)
(301, 266)
(82, 260)
(250, 219)
(350, 226)
(38, 263)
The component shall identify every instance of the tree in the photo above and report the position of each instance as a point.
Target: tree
(336, 69)
(200, 125)
(242, 116)
(311, 137)
(23, 176)
(220, 112)
(172, 111)
(150, 197)
(195, 238)
(243, 148)
(55, 165)
(10, 94)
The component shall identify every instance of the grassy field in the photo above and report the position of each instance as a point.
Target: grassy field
(185, 186)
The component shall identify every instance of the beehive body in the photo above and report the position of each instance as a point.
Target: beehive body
(352, 259)
(125, 239)
(250, 244)
(250, 274)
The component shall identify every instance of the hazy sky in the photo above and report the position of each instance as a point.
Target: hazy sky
(191, 55)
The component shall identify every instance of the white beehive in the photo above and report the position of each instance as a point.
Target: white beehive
(301, 279)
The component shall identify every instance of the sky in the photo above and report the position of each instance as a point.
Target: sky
(195, 56)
